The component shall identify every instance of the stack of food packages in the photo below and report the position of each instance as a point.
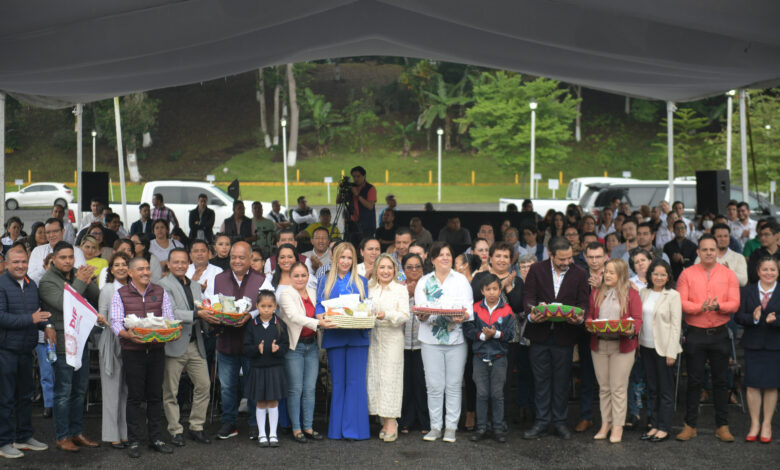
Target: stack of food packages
(226, 308)
(348, 311)
(153, 329)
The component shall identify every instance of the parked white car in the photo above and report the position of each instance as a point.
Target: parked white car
(39, 195)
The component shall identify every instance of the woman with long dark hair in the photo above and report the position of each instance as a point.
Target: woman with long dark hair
(142, 243)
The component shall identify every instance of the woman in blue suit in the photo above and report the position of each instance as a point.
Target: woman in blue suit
(347, 350)
(759, 306)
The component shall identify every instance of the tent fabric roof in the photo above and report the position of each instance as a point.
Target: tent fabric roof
(54, 53)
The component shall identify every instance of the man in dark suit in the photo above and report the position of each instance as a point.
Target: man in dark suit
(681, 251)
(202, 221)
(144, 224)
(556, 280)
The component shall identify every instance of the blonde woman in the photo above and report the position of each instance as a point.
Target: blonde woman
(347, 350)
(390, 302)
(613, 358)
(91, 249)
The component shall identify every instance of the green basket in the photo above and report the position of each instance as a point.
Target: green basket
(558, 312)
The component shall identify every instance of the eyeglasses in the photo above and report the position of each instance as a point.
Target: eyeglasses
(413, 267)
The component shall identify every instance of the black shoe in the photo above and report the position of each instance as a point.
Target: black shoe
(646, 437)
(300, 438)
(659, 439)
(135, 450)
(273, 441)
(500, 436)
(227, 430)
(478, 436)
(535, 432)
(314, 435)
(161, 447)
(199, 436)
(119, 445)
(47, 412)
(178, 440)
(562, 431)
(253, 432)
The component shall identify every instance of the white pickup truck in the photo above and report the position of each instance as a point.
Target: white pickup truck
(181, 197)
(576, 189)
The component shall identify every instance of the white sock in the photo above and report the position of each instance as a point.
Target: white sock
(273, 420)
(260, 415)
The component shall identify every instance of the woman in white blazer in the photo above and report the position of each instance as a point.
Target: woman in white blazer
(385, 374)
(302, 361)
(659, 342)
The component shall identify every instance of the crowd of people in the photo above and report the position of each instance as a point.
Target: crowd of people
(690, 287)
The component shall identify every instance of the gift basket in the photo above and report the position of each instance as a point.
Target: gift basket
(225, 308)
(153, 329)
(558, 312)
(347, 311)
(609, 328)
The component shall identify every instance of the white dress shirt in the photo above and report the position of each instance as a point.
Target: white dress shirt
(36, 270)
(207, 277)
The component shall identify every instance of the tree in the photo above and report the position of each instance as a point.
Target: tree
(139, 116)
(693, 145)
(402, 135)
(322, 118)
(500, 120)
(292, 149)
(359, 119)
(440, 105)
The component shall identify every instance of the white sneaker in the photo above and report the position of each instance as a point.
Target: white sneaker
(432, 435)
(10, 452)
(242, 407)
(449, 435)
(31, 444)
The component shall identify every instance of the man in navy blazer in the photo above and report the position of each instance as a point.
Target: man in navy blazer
(144, 224)
(554, 280)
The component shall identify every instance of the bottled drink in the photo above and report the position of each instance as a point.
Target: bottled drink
(51, 353)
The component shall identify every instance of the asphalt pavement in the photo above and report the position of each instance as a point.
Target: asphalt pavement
(410, 451)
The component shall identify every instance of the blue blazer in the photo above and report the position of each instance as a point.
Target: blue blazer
(135, 227)
(18, 333)
(762, 335)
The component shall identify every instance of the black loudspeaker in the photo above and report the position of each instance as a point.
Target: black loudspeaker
(94, 185)
(713, 191)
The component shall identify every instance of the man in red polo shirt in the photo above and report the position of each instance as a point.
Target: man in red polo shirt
(710, 295)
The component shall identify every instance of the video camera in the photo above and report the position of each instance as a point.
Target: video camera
(345, 190)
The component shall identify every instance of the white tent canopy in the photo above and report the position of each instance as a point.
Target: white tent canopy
(55, 53)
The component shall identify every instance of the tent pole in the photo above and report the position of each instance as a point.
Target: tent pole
(670, 109)
(729, 113)
(743, 142)
(2, 155)
(79, 159)
(121, 155)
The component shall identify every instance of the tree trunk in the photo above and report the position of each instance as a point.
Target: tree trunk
(277, 109)
(261, 101)
(132, 159)
(428, 139)
(447, 132)
(578, 121)
(292, 148)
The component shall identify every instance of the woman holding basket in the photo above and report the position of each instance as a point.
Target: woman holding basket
(443, 347)
(390, 302)
(613, 357)
(347, 350)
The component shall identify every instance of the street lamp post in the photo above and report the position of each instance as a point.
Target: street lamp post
(94, 134)
(284, 161)
(439, 133)
(729, 111)
(533, 104)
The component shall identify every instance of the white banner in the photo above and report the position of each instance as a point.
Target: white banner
(79, 317)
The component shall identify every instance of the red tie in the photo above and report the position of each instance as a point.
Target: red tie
(764, 299)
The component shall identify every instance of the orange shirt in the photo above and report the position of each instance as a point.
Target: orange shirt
(696, 286)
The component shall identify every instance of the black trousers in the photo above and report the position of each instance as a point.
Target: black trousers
(468, 380)
(414, 411)
(16, 391)
(144, 371)
(660, 389)
(551, 365)
(711, 345)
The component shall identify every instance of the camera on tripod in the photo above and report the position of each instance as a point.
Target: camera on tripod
(345, 190)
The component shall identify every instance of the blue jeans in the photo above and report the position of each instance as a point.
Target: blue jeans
(636, 386)
(16, 390)
(47, 376)
(489, 379)
(302, 366)
(232, 386)
(69, 388)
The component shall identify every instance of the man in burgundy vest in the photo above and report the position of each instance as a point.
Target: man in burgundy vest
(239, 281)
(144, 363)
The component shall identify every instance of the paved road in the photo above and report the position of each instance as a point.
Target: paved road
(410, 451)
